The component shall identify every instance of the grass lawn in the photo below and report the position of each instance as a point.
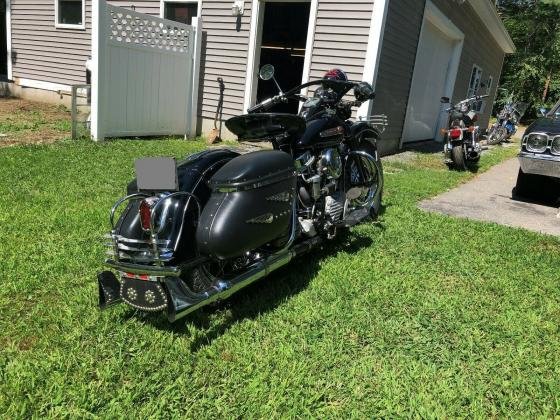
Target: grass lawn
(27, 122)
(419, 314)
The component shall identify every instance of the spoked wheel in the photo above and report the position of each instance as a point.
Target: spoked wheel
(458, 158)
(496, 136)
(366, 178)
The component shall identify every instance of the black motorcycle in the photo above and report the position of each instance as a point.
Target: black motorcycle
(462, 137)
(196, 232)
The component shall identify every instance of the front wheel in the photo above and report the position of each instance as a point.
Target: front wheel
(367, 143)
(458, 158)
(496, 136)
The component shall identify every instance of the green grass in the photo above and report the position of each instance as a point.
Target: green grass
(416, 315)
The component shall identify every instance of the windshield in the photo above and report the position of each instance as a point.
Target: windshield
(555, 111)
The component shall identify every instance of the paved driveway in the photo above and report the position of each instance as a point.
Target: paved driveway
(488, 198)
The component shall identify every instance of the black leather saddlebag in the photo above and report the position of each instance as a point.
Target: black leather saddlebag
(250, 205)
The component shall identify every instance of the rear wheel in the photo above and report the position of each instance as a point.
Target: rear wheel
(458, 158)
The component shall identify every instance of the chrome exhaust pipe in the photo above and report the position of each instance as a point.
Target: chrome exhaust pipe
(182, 301)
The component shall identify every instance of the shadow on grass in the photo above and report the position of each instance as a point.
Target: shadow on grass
(260, 297)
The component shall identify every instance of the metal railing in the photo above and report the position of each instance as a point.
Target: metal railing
(81, 111)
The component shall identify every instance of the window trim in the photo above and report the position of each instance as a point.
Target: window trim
(162, 6)
(475, 66)
(482, 102)
(490, 85)
(58, 25)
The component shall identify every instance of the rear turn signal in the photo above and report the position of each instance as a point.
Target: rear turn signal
(145, 211)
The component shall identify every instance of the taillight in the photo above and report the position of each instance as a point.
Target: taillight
(455, 133)
(145, 210)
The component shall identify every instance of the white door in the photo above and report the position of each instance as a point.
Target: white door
(435, 51)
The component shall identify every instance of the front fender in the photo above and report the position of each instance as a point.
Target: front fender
(358, 126)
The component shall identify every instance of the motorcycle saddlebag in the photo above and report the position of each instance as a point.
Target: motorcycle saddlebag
(250, 204)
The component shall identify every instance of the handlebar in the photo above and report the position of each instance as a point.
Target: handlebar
(467, 101)
(341, 86)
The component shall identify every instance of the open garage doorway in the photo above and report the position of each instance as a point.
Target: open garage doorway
(284, 37)
(3, 42)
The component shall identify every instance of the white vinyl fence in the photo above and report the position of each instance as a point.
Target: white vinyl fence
(145, 74)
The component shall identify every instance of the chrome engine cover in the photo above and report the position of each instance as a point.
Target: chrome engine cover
(330, 163)
(334, 205)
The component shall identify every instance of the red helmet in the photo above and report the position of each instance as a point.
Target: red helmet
(336, 74)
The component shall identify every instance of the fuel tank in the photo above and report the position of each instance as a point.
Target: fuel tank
(327, 131)
(250, 205)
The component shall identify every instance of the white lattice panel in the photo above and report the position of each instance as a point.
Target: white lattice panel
(129, 27)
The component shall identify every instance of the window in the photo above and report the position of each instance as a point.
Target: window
(182, 12)
(474, 86)
(69, 14)
(474, 83)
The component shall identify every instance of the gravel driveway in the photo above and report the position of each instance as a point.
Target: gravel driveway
(488, 198)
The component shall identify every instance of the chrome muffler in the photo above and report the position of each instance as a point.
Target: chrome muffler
(182, 301)
(178, 298)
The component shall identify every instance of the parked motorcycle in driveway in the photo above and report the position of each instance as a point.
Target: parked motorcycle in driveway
(506, 122)
(462, 137)
(197, 232)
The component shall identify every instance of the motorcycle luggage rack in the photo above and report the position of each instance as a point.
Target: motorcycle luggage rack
(379, 121)
(118, 241)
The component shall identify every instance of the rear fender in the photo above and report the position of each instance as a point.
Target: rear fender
(181, 217)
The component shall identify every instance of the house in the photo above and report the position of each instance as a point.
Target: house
(412, 51)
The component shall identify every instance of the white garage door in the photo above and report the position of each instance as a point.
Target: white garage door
(433, 59)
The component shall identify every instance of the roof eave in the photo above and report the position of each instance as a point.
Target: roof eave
(488, 14)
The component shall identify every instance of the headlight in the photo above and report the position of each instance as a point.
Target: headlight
(555, 148)
(537, 143)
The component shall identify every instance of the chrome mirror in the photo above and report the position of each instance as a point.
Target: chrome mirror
(266, 72)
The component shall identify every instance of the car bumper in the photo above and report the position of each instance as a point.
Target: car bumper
(538, 164)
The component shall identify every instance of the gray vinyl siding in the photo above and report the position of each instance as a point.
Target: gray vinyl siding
(398, 56)
(45, 53)
(396, 66)
(224, 54)
(341, 37)
(479, 48)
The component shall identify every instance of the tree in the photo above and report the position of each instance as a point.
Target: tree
(532, 74)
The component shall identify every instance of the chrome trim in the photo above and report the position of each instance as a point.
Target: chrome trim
(154, 233)
(380, 121)
(540, 164)
(121, 238)
(263, 181)
(371, 197)
(144, 269)
(184, 301)
(122, 200)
